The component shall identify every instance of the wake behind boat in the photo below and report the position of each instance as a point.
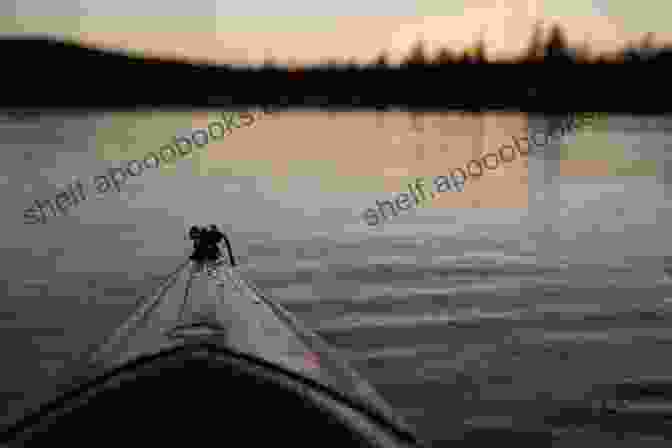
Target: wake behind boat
(209, 357)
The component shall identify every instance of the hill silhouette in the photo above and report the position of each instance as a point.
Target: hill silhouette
(549, 76)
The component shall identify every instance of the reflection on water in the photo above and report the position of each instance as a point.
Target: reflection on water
(457, 313)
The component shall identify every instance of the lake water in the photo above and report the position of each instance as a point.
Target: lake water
(491, 306)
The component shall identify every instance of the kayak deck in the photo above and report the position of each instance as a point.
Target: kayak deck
(229, 313)
(219, 306)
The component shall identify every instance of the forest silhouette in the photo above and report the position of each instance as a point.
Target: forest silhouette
(549, 75)
(550, 49)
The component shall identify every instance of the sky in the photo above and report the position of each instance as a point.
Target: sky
(303, 31)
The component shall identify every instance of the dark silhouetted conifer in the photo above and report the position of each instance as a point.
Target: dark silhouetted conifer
(333, 64)
(479, 51)
(352, 64)
(583, 55)
(417, 55)
(535, 49)
(464, 57)
(269, 63)
(444, 57)
(557, 46)
(382, 61)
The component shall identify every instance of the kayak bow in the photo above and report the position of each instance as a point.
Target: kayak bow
(211, 342)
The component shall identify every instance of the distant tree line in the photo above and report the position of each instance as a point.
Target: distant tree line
(554, 48)
(548, 76)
